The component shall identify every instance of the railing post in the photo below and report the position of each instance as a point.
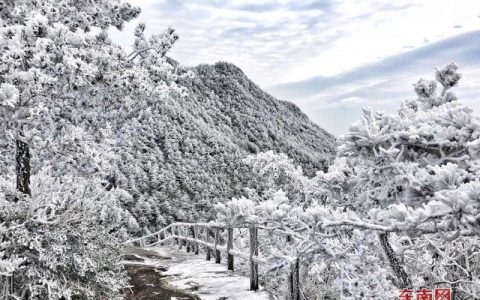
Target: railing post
(253, 253)
(294, 280)
(180, 240)
(229, 248)
(207, 249)
(187, 242)
(195, 236)
(217, 241)
(184, 241)
(175, 232)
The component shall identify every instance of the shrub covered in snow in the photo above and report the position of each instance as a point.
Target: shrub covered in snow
(59, 243)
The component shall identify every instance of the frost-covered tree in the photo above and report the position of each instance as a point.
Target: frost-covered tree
(46, 55)
(65, 90)
(56, 77)
(278, 172)
(403, 158)
(416, 172)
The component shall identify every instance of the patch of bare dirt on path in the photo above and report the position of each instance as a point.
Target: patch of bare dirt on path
(147, 282)
(140, 252)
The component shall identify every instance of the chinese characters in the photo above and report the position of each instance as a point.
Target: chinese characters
(424, 294)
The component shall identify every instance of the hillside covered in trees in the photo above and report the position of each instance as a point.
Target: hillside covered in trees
(181, 156)
(176, 156)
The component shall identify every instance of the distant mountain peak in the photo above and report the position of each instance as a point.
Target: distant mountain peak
(189, 151)
(228, 68)
(255, 110)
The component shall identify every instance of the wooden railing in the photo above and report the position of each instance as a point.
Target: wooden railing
(207, 236)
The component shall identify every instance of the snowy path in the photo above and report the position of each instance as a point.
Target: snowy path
(183, 276)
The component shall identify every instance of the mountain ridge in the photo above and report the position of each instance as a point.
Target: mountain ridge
(185, 154)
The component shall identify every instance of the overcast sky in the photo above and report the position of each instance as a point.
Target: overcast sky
(332, 56)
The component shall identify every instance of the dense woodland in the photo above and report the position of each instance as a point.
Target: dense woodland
(182, 155)
(98, 144)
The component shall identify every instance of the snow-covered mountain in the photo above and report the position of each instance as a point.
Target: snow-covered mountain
(183, 155)
(178, 156)
(254, 120)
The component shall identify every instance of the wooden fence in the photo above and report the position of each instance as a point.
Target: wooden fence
(195, 237)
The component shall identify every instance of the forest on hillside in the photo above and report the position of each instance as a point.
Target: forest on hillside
(99, 145)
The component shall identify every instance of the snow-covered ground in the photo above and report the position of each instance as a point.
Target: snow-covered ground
(193, 274)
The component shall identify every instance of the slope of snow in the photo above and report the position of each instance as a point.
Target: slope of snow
(205, 279)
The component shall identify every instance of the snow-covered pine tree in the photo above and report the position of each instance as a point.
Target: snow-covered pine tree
(46, 55)
(278, 172)
(56, 236)
(417, 171)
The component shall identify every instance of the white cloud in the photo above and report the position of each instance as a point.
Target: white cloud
(353, 101)
(290, 40)
(334, 102)
(283, 40)
(372, 33)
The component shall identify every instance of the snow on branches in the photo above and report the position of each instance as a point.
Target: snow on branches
(59, 74)
(418, 166)
(58, 244)
(293, 219)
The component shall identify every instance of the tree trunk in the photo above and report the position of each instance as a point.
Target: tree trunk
(400, 273)
(23, 167)
(253, 255)
(294, 280)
